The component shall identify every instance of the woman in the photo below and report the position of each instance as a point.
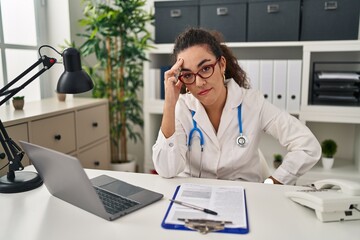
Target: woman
(228, 118)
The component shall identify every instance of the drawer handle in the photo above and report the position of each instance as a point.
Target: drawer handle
(95, 124)
(266, 96)
(279, 96)
(293, 97)
(273, 8)
(97, 163)
(57, 137)
(222, 11)
(175, 13)
(330, 5)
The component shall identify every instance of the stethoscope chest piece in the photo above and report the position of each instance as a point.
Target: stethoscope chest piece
(241, 140)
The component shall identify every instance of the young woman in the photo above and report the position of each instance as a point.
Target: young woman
(212, 119)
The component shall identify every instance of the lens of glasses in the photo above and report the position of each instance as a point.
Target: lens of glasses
(204, 73)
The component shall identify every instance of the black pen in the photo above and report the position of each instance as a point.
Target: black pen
(205, 210)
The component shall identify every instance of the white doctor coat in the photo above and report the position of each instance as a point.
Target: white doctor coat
(222, 158)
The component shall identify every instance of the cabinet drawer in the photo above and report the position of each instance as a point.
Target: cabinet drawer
(57, 132)
(173, 17)
(227, 16)
(16, 133)
(273, 20)
(96, 157)
(92, 124)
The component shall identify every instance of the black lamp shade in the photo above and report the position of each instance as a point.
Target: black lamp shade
(73, 79)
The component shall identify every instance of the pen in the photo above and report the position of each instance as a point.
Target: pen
(205, 210)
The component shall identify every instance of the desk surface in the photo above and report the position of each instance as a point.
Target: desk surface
(36, 215)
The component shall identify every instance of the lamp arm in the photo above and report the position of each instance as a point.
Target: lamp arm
(13, 152)
(47, 62)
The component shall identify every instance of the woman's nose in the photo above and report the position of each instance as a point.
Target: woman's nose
(199, 81)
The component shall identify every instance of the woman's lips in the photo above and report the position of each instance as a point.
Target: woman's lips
(204, 92)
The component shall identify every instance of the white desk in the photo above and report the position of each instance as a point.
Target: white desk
(36, 215)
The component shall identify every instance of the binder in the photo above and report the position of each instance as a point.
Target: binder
(293, 86)
(266, 78)
(253, 71)
(163, 69)
(243, 215)
(280, 77)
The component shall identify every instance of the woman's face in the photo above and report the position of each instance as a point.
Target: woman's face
(200, 60)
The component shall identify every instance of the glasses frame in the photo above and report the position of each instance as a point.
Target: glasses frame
(198, 73)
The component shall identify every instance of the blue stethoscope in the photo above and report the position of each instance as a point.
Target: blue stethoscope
(241, 140)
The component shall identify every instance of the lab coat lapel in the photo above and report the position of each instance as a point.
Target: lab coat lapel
(205, 125)
(230, 111)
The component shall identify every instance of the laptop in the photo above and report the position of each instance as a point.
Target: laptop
(103, 196)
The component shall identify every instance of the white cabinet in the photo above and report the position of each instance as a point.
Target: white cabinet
(78, 127)
(299, 58)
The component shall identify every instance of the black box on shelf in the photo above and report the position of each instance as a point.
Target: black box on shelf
(330, 20)
(341, 88)
(271, 20)
(173, 17)
(226, 16)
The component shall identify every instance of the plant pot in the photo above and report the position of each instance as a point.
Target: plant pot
(18, 104)
(129, 166)
(61, 97)
(327, 162)
(276, 164)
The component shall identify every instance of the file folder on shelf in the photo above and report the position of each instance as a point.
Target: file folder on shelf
(228, 201)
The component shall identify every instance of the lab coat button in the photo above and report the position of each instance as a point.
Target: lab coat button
(171, 144)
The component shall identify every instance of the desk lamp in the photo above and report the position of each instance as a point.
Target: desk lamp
(72, 80)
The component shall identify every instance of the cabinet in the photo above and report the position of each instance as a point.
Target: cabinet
(340, 123)
(78, 127)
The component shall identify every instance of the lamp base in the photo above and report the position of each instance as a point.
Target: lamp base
(24, 181)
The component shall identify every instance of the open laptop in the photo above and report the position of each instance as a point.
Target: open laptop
(103, 196)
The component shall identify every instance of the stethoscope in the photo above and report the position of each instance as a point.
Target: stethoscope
(241, 140)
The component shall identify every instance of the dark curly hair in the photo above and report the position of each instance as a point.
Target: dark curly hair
(213, 39)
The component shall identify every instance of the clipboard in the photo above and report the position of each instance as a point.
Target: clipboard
(224, 229)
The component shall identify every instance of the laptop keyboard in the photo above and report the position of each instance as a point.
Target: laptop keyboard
(114, 203)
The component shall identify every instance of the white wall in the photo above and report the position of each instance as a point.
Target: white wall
(58, 30)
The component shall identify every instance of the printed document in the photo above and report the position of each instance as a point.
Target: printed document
(227, 201)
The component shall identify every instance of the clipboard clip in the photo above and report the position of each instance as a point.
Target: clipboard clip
(204, 226)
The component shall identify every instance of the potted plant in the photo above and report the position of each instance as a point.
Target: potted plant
(329, 148)
(18, 102)
(116, 33)
(278, 158)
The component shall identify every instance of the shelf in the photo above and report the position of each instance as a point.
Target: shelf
(320, 117)
(314, 46)
(334, 114)
(344, 169)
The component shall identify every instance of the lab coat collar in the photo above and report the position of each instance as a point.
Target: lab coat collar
(233, 100)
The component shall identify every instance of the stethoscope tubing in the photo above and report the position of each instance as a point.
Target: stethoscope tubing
(241, 140)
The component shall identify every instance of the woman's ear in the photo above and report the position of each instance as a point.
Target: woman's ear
(223, 63)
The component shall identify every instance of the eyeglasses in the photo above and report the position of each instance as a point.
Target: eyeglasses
(205, 72)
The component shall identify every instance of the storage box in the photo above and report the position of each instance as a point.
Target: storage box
(173, 17)
(330, 19)
(226, 16)
(271, 20)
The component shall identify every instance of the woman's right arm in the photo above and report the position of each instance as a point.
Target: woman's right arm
(168, 152)
(172, 91)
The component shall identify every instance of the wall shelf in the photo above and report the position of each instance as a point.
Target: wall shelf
(307, 52)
